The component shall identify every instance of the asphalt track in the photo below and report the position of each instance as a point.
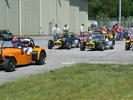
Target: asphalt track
(57, 58)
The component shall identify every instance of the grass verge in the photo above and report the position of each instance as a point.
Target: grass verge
(77, 82)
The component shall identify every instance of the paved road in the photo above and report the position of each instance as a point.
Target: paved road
(57, 58)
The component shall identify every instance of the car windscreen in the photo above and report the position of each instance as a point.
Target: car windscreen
(101, 37)
(1, 43)
(11, 44)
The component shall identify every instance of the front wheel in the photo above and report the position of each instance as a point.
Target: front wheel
(82, 46)
(9, 64)
(41, 60)
(127, 46)
(112, 47)
(50, 45)
(101, 47)
(68, 45)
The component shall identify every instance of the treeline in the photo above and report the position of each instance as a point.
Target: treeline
(109, 8)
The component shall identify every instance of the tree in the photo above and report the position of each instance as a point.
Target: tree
(109, 8)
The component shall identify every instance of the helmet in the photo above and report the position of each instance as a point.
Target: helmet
(26, 41)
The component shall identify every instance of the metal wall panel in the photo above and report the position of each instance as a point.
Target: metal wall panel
(83, 14)
(71, 12)
(47, 14)
(9, 15)
(30, 18)
(37, 14)
(3, 15)
(62, 13)
(74, 15)
(54, 11)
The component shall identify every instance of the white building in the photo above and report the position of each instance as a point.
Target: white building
(32, 17)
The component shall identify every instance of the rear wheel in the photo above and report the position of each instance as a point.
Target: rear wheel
(9, 64)
(50, 44)
(101, 47)
(112, 47)
(82, 46)
(127, 46)
(68, 45)
(41, 60)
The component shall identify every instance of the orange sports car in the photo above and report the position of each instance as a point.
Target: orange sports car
(12, 53)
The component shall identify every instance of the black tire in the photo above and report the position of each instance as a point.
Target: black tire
(112, 47)
(9, 64)
(68, 45)
(41, 60)
(50, 45)
(127, 46)
(101, 47)
(82, 46)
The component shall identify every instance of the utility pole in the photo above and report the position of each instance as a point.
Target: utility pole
(56, 11)
(20, 18)
(120, 12)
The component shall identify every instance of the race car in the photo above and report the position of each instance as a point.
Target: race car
(12, 54)
(5, 35)
(98, 42)
(66, 42)
(129, 41)
(87, 34)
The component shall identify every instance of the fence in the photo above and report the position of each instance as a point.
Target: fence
(127, 22)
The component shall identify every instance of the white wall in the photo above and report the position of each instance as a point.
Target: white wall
(83, 14)
(47, 14)
(62, 13)
(9, 18)
(30, 18)
(36, 15)
(74, 15)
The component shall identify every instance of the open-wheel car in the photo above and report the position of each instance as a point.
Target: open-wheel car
(65, 41)
(12, 53)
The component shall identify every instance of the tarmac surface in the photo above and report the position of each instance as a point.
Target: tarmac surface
(57, 58)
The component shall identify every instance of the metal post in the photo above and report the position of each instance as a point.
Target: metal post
(20, 18)
(40, 17)
(56, 10)
(120, 12)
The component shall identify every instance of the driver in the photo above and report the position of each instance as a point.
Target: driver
(27, 47)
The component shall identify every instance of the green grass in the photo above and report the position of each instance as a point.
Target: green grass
(78, 82)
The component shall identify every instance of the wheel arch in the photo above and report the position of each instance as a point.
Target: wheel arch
(37, 53)
(8, 57)
(44, 52)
